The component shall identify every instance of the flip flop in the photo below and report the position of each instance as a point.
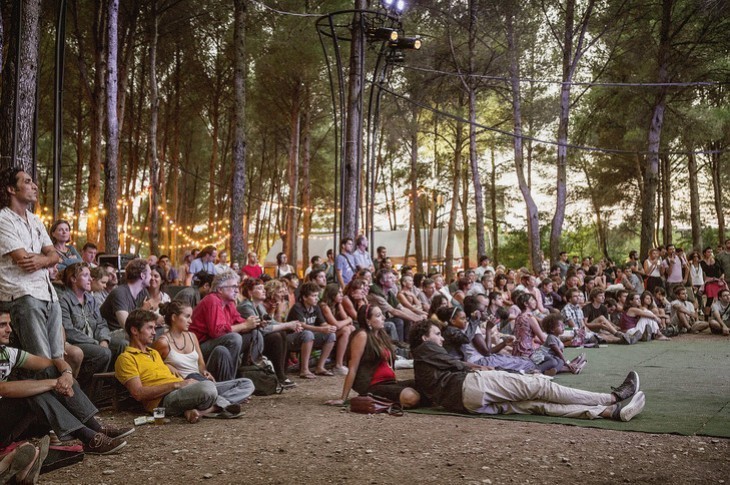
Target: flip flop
(326, 373)
(307, 376)
(24, 455)
(32, 476)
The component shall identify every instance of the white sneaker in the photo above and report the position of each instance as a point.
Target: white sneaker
(340, 371)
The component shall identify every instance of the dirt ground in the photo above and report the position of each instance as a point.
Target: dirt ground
(294, 438)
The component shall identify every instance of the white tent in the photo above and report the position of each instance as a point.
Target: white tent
(394, 241)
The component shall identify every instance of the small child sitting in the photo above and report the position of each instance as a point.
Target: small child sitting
(549, 357)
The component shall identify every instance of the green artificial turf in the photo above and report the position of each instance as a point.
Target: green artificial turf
(686, 382)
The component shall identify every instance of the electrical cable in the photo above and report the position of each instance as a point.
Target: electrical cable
(614, 151)
(572, 83)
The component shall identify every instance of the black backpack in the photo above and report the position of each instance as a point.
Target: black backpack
(264, 379)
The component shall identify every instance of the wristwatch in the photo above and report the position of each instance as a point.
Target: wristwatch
(67, 371)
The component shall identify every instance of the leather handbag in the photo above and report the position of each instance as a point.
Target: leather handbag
(371, 404)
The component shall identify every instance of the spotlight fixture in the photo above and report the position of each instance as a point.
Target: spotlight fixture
(383, 34)
(397, 6)
(406, 43)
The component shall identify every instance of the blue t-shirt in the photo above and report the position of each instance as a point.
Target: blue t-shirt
(345, 263)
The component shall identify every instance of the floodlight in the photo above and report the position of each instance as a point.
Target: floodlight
(383, 34)
(406, 43)
(400, 5)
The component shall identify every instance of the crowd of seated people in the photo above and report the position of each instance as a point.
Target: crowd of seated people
(181, 348)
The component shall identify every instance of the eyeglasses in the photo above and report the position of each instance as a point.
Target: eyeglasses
(228, 287)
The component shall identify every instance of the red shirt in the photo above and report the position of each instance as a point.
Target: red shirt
(254, 271)
(383, 373)
(213, 317)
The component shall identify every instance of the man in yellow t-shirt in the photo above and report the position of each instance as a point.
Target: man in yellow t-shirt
(143, 372)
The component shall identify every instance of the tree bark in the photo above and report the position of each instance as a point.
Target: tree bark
(473, 161)
(715, 163)
(571, 58)
(651, 163)
(213, 165)
(694, 201)
(666, 198)
(111, 236)
(79, 163)
(292, 214)
(465, 243)
(238, 183)
(306, 191)
(352, 163)
(24, 91)
(153, 220)
(533, 224)
(454, 211)
(415, 198)
(495, 222)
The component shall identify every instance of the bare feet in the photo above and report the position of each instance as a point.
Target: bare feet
(192, 415)
(659, 336)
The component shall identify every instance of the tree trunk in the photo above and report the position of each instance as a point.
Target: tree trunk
(451, 234)
(465, 243)
(694, 201)
(292, 214)
(666, 198)
(79, 163)
(715, 163)
(213, 165)
(651, 167)
(174, 177)
(306, 191)
(153, 220)
(352, 162)
(533, 224)
(24, 91)
(238, 183)
(473, 161)
(111, 236)
(571, 58)
(495, 222)
(415, 198)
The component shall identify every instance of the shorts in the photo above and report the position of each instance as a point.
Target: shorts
(391, 390)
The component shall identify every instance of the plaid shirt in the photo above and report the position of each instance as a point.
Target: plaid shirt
(574, 313)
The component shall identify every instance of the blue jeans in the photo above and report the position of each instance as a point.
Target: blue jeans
(199, 395)
(222, 355)
(96, 359)
(235, 391)
(37, 326)
(64, 415)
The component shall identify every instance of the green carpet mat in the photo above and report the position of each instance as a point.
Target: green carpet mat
(686, 382)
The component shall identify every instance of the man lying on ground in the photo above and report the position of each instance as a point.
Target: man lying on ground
(467, 388)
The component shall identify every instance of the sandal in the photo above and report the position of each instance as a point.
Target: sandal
(288, 383)
(32, 476)
(326, 373)
(24, 455)
(308, 375)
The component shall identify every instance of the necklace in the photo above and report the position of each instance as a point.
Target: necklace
(172, 337)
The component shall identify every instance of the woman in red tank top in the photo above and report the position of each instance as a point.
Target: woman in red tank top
(371, 363)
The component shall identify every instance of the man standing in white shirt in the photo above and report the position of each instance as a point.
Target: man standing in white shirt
(26, 254)
(361, 254)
